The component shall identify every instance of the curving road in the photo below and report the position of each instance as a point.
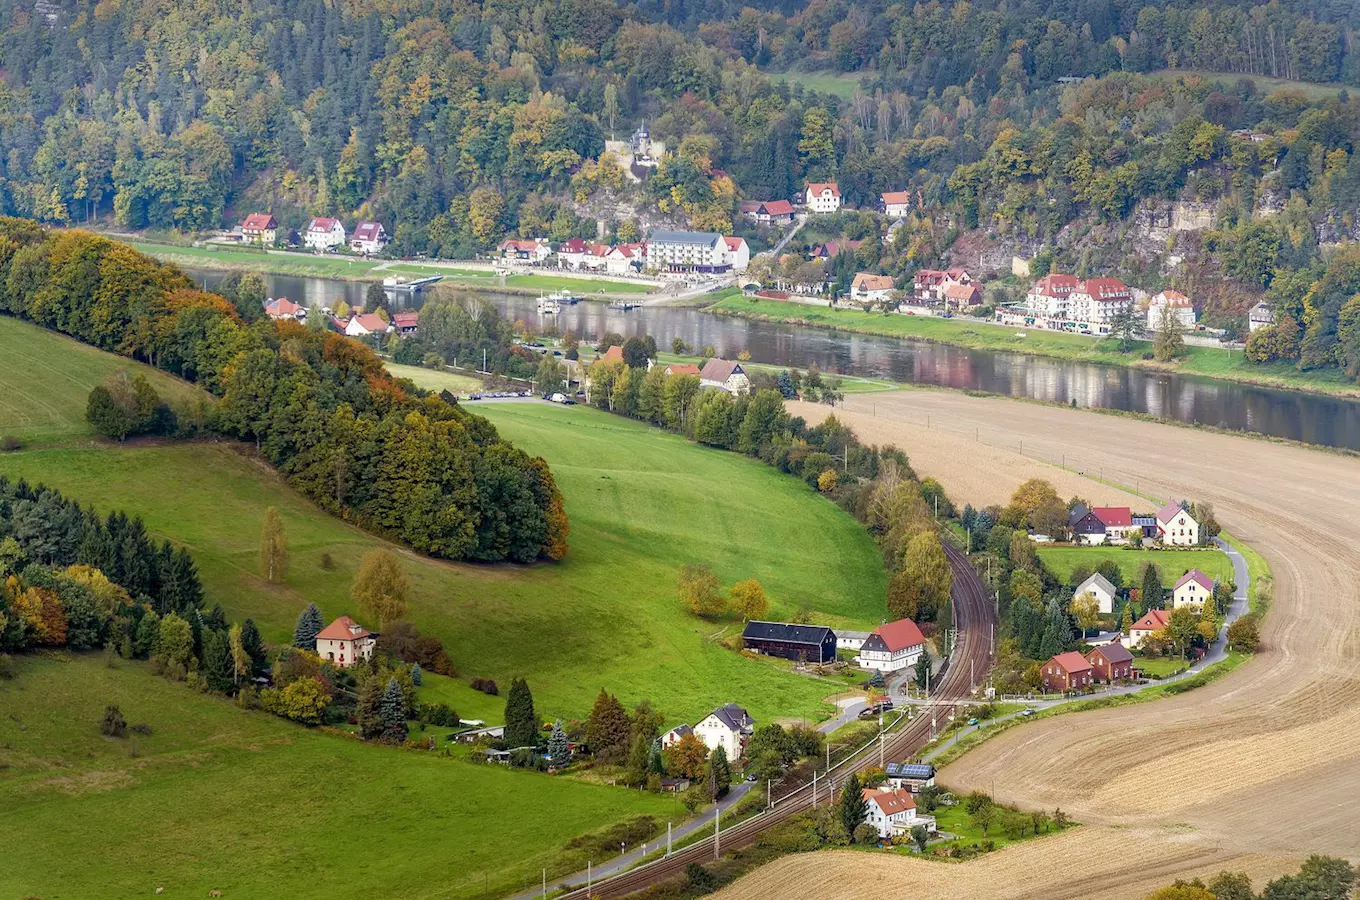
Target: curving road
(972, 658)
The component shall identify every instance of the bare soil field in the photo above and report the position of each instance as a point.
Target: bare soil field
(1254, 771)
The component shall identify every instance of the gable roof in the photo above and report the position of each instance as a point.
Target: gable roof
(1198, 578)
(682, 369)
(778, 208)
(258, 222)
(866, 282)
(732, 716)
(893, 198)
(1071, 662)
(734, 243)
(1171, 298)
(528, 246)
(895, 636)
(960, 291)
(613, 354)
(406, 319)
(370, 321)
(282, 307)
(1105, 289)
(890, 802)
(343, 629)
(1096, 580)
(1114, 516)
(818, 187)
(1171, 510)
(1056, 285)
(1114, 653)
(323, 224)
(1153, 620)
(812, 635)
(368, 231)
(572, 245)
(681, 730)
(720, 370)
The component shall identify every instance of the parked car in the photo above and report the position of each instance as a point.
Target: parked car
(973, 721)
(1028, 712)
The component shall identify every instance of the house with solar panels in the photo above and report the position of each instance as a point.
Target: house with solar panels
(911, 776)
(803, 643)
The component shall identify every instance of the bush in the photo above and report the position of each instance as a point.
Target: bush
(9, 443)
(699, 879)
(486, 686)
(438, 714)
(403, 641)
(7, 668)
(327, 563)
(142, 728)
(113, 724)
(866, 834)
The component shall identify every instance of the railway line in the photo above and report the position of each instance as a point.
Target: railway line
(975, 618)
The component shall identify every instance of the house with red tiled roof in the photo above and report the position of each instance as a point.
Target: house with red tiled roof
(1048, 297)
(738, 253)
(871, 288)
(1067, 672)
(1181, 309)
(1111, 662)
(365, 324)
(822, 197)
(323, 234)
(681, 369)
(1153, 620)
(624, 259)
(1176, 527)
(1095, 305)
(893, 813)
(928, 285)
(406, 322)
(345, 642)
(613, 354)
(526, 250)
(960, 296)
(1193, 589)
(768, 212)
(1118, 522)
(892, 647)
(895, 204)
(368, 238)
(283, 308)
(259, 228)
(832, 249)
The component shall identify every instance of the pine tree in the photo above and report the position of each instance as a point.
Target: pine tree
(417, 676)
(656, 763)
(217, 662)
(558, 749)
(1152, 588)
(309, 625)
(392, 709)
(195, 620)
(923, 669)
(186, 577)
(853, 809)
(521, 722)
(608, 728)
(367, 711)
(719, 773)
(638, 757)
(254, 646)
(273, 547)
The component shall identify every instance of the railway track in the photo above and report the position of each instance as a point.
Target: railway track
(974, 619)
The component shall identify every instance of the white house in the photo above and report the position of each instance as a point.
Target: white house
(895, 204)
(727, 727)
(851, 640)
(674, 735)
(284, 309)
(871, 288)
(1193, 589)
(324, 234)
(624, 259)
(726, 375)
(892, 647)
(1181, 308)
(688, 251)
(527, 250)
(1176, 527)
(822, 197)
(365, 324)
(1049, 296)
(1261, 316)
(345, 642)
(368, 238)
(1097, 302)
(1099, 586)
(1153, 621)
(738, 253)
(259, 228)
(893, 813)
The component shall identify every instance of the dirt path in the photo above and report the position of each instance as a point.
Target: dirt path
(1253, 771)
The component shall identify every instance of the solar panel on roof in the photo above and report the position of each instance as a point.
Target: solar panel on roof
(910, 770)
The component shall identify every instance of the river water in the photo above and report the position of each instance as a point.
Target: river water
(1314, 418)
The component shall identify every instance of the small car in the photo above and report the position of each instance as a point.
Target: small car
(973, 721)
(751, 777)
(1027, 713)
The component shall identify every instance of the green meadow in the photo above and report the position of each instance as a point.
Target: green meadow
(1171, 564)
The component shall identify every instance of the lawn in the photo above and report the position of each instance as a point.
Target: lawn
(218, 798)
(1209, 362)
(1266, 85)
(841, 84)
(1161, 666)
(1172, 564)
(642, 504)
(46, 378)
(580, 285)
(956, 821)
(436, 380)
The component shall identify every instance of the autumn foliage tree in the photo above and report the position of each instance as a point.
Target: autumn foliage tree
(700, 591)
(273, 546)
(748, 599)
(380, 586)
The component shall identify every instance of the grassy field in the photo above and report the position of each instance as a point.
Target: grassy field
(218, 798)
(841, 84)
(1264, 84)
(579, 285)
(1160, 667)
(1209, 362)
(642, 504)
(45, 380)
(1172, 564)
(436, 380)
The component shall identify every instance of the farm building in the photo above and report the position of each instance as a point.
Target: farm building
(892, 647)
(806, 643)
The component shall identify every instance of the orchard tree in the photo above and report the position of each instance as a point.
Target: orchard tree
(748, 599)
(1085, 609)
(273, 547)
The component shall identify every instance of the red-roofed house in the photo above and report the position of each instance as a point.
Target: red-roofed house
(613, 354)
(895, 204)
(822, 198)
(1176, 527)
(1153, 621)
(738, 253)
(768, 212)
(259, 228)
(832, 249)
(406, 322)
(1182, 310)
(1067, 672)
(365, 324)
(532, 251)
(1111, 662)
(1118, 522)
(624, 259)
(368, 238)
(961, 296)
(893, 813)
(928, 285)
(323, 234)
(283, 308)
(1193, 589)
(1048, 298)
(682, 369)
(1096, 303)
(871, 287)
(345, 642)
(892, 647)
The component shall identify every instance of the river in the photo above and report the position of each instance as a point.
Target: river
(1312, 418)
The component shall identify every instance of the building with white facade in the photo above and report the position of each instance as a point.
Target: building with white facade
(727, 727)
(892, 647)
(324, 234)
(368, 238)
(260, 229)
(1179, 304)
(726, 375)
(871, 288)
(895, 204)
(893, 813)
(688, 251)
(738, 253)
(1193, 589)
(345, 642)
(1261, 316)
(1176, 527)
(1099, 587)
(1095, 305)
(822, 197)
(1048, 298)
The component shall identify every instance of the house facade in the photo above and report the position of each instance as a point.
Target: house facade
(727, 727)
(406, 322)
(260, 228)
(769, 212)
(365, 324)
(674, 735)
(624, 259)
(895, 204)
(1067, 672)
(1098, 586)
(1193, 589)
(892, 647)
(284, 309)
(688, 251)
(345, 642)
(738, 253)
(1097, 302)
(1261, 316)
(324, 234)
(1153, 621)
(1176, 527)
(871, 288)
(1111, 662)
(961, 296)
(802, 643)
(725, 374)
(893, 813)
(368, 238)
(525, 250)
(822, 197)
(1182, 310)
(1048, 297)
(928, 285)
(1118, 521)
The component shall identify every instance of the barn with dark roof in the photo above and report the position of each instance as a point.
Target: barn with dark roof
(808, 643)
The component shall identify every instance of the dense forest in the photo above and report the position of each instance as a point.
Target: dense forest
(319, 406)
(457, 125)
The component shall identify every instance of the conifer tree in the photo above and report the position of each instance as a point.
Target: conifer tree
(309, 625)
(923, 669)
(254, 646)
(719, 773)
(638, 757)
(392, 709)
(1152, 588)
(273, 547)
(608, 728)
(853, 809)
(521, 722)
(367, 709)
(217, 662)
(558, 748)
(417, 676)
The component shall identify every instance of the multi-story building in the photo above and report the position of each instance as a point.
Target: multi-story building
(822, 197)
(1097, 303)
(324, 234)
(1048, 298)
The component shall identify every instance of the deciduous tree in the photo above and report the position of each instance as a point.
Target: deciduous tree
(748, 599)
(700, 591)
(380, 586)
(273, 547)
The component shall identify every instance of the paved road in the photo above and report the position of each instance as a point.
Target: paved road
(1218, 651)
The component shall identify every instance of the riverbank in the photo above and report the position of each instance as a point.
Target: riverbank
(349, 268)
(1205, 362)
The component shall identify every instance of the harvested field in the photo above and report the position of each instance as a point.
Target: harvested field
(1253, 771)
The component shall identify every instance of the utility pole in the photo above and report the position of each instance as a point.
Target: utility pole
(814, 788)
(545, 882)
(769, 794)
(588, 865)
(717, 816)
(668, 838)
